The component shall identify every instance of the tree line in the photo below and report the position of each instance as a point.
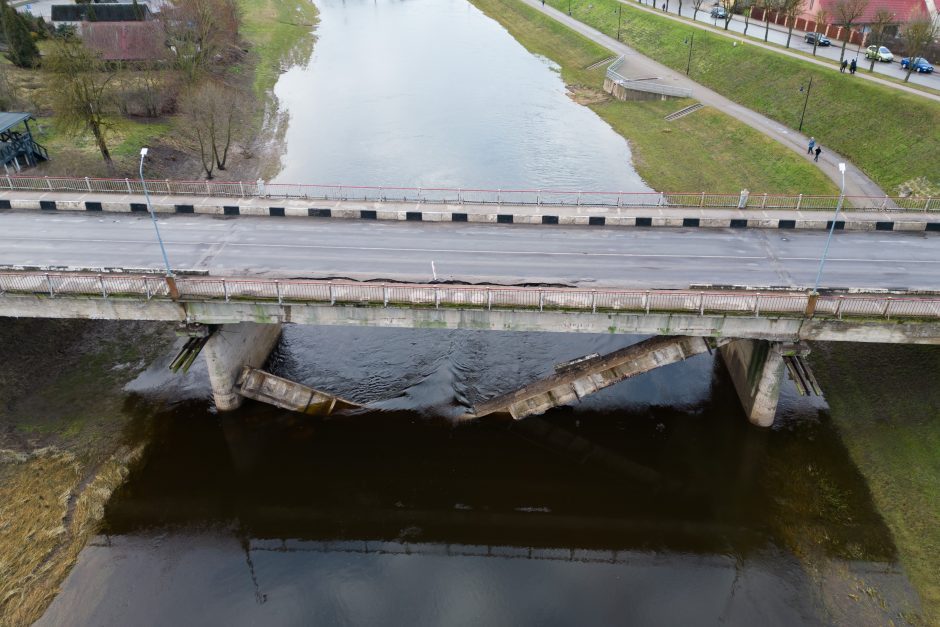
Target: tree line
(190, 76)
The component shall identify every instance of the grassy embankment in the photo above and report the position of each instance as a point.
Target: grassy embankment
(707, 150)
(63, 448)
(275, 32)
(894, 438)
(893, 136)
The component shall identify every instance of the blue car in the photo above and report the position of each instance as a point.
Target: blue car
(920, 64)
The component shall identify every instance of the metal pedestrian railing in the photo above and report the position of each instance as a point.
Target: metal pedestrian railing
(460, 196)
(293, 291)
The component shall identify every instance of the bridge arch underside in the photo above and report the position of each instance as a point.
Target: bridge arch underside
(751, 347)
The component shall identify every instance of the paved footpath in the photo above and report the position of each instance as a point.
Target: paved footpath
(637, 65)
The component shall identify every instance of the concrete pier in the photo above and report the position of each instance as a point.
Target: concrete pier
(756, 368)
(229, 350)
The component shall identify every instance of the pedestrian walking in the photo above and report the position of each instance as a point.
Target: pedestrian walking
(818, 152)
(852, 66)
(843, 66)
(812, 144)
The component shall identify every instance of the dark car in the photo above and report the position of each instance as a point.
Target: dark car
(719, 13)
(920, 64)
(813, 37)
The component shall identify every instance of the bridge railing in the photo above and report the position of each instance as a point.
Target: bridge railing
(470, 196)
(242, 289)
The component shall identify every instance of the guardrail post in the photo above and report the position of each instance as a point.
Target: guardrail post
(541, 300)
(104, 294)
(763, 202)
(799, 201)
(277, 290)
(593, 301)
(48, 183)
(459, 197)
(147, 288)
(646, 302)
(385, 296)
(87, 184)
(538, 198)
(9, 182)
(618, 199)
(225, 290)
(437, 298)
(839, 307)
(172, 288)
(702, 201)
(811, 301)
(241, 188)
(661, 199)
(489, 299)
(382, 194)
(757, 305)
(701, 303)
(419, 195)
(49, 285)
(886, 312)
(127, 182)
(927, 204)
(208, 189)
(498, 197)
(332, 295)
(884, 203)
(579, 198)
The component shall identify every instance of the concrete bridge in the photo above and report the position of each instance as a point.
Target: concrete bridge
(753, 330)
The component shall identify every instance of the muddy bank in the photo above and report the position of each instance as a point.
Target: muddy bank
(68, 437)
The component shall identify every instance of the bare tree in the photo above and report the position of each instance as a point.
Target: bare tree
(822, 19)
(918, 33)
(846, 14)
(79, 91)
(883, 19)
(768, 5)
(200, 32)
(696, 7)
(214, 115)
(730, 6)
(746, 7)
(791, 10)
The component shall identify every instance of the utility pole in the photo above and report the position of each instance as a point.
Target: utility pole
(691, 42)
(805, 101)
(619, 18)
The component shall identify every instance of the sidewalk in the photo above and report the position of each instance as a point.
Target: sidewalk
(856, 182)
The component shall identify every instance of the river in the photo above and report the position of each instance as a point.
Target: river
(652, 502)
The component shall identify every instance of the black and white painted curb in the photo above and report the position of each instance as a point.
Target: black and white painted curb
(502, 215)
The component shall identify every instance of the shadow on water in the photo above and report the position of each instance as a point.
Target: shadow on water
(623, 489)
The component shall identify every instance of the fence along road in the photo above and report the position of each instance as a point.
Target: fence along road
(64, 188)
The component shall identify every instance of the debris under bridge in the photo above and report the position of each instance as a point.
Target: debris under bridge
(267, 388)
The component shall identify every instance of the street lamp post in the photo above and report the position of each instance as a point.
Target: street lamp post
(619, 20)
(805, 101)
(832, 227)
(690, 42)
(153, 218)
(569, 7)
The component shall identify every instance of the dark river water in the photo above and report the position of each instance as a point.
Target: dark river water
(653, 502)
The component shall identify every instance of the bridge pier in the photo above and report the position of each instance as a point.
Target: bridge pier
(231, 348)
(756, 368)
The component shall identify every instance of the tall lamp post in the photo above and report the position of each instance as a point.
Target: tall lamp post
(805, 101)
(832, 227)
(689, 42)
(153, 218)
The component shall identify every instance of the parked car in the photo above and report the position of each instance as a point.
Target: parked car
(880, 53)
(920, 64)
(719, 13)
(812, 37)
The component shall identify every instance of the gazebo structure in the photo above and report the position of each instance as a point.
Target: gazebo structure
(18, 149)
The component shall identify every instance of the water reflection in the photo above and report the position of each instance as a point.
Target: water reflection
(623, 510)
(434, 93)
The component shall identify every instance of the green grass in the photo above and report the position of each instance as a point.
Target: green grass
(892, 136)
(279, 32)
(894, 438)
(707, 150)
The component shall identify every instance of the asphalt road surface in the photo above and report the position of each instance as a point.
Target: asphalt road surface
(501, 254)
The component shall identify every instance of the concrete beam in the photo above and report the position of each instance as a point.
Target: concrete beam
(779, 329)
(756, 368)
(229, 350)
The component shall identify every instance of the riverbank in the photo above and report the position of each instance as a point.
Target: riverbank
(705, 150)
(275, 34)
(893, 438)
(877, 128)
(64, 444)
